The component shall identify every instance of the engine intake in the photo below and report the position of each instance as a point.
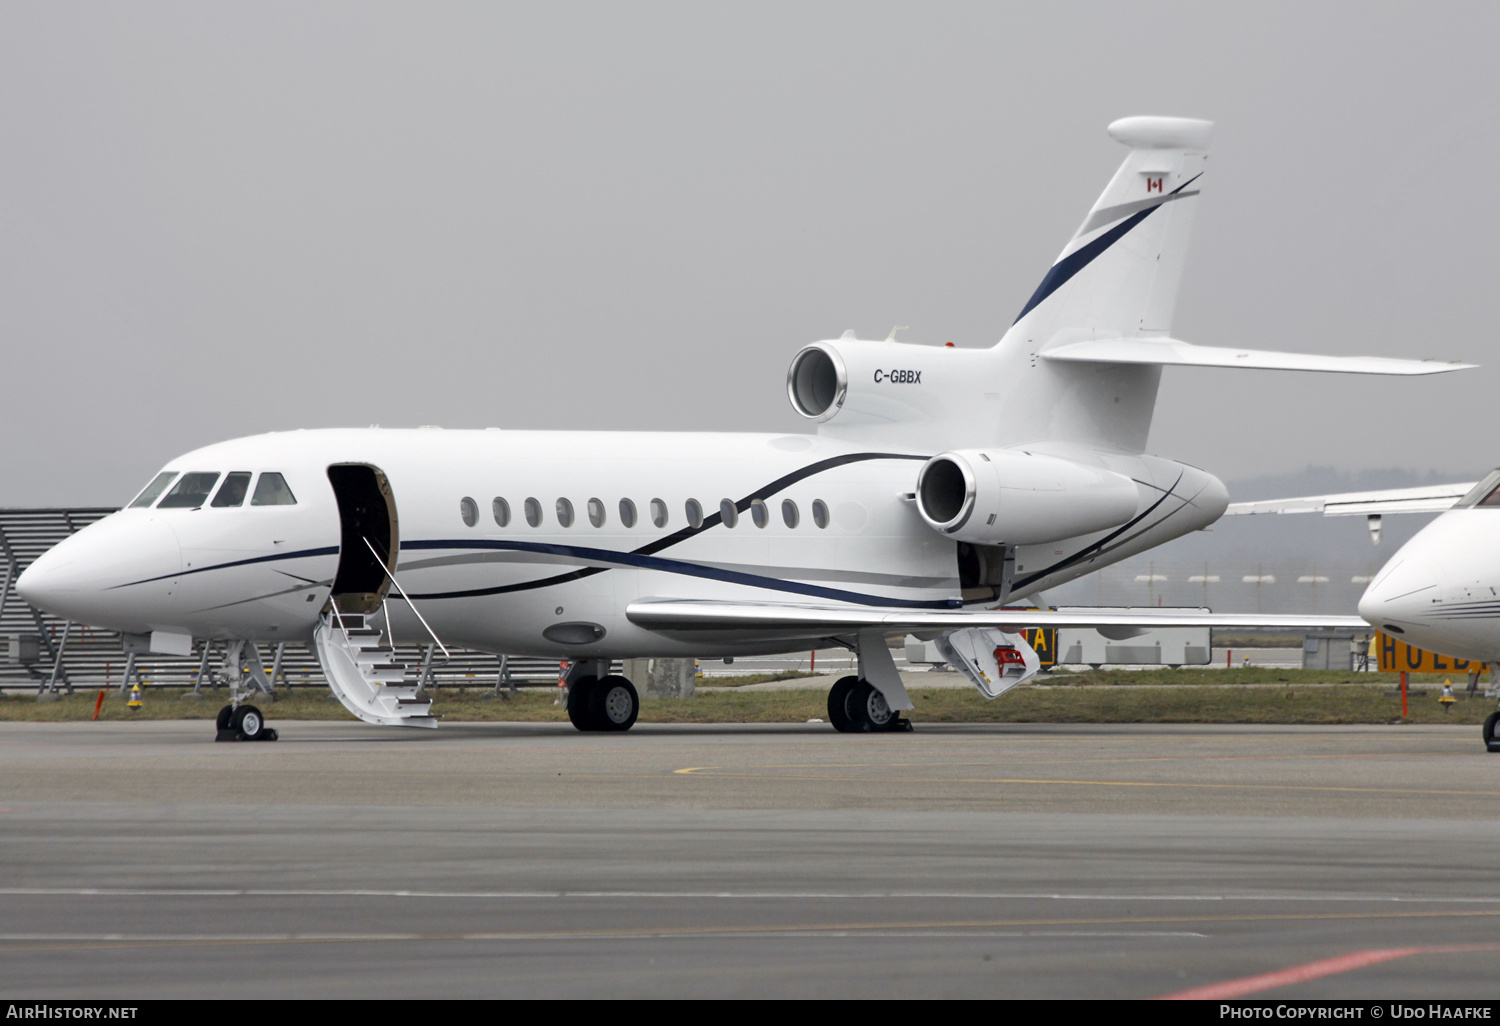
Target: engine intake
(1008, 497)
(817, 382)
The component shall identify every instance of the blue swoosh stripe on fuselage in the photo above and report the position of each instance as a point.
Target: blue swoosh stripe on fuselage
(666, 541)
(328, 550)
(642, 561)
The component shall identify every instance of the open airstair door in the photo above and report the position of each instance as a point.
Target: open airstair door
(367, 510)
(358, 662)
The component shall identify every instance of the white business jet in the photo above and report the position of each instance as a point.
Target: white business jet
(939, 485)
(1441, 590)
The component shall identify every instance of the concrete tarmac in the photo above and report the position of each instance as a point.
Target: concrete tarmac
(527, 860)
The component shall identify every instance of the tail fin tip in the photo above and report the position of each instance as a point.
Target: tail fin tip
(1162, 133)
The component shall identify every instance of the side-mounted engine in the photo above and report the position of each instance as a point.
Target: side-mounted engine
(1013, 497)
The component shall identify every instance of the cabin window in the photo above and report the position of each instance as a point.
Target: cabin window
(627, 512)
(820, 513)
(271, 490)
(232, 492)
(759, 515)
(694, 511)
(533, 513)
(469, 510)
(154, 489)
(564, 512)
(596, 512)
(789, 514)
(190, 492)
(727, 513)
(500, 509)
(658, 513)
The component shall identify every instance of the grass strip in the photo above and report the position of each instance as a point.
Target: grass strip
(1188, 703)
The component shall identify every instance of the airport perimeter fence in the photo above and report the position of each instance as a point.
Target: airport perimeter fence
(37, 650)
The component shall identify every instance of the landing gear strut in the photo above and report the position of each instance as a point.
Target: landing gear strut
(857, 707)
(610, 703)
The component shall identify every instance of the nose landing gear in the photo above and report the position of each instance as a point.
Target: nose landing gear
(243, 723)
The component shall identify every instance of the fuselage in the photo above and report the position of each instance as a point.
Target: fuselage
(534, 542)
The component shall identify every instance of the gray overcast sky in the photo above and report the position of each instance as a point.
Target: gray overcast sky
(219, 219)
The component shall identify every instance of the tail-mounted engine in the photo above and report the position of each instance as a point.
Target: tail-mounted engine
(868, 384)
(1011, 497)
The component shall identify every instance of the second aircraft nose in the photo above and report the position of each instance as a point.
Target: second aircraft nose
(1402, 596)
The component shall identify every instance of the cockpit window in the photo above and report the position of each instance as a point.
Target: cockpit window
(1485, 493)
(232, 491)
(154, 489)
(190, 492)
(271, 490)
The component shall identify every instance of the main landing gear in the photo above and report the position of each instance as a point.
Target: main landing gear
(1491, 729)
(857, 707)
(243, 723)
(608, 703)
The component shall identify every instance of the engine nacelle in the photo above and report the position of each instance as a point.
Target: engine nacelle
(871, 384)
(1010, 497)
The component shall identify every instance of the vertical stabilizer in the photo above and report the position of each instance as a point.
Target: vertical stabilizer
(1117, 278)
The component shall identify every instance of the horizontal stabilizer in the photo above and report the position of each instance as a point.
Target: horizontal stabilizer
(700, 616)
(1171, 352)
(1426, 499)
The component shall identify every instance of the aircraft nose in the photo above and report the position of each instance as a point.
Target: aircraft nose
(113, 573)
(1402, 596)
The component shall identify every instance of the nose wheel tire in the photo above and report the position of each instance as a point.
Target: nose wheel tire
(243, 723)
(1491, 726)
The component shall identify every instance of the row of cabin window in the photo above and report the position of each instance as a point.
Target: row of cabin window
(760, 516)
(193, 489)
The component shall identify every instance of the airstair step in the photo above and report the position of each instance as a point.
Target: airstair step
(363, 632)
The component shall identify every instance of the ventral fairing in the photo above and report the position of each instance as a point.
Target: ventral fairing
(938, 486)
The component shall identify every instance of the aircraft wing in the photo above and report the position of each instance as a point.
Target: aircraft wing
(1172, 352)
(1426, 499)
(700, 617)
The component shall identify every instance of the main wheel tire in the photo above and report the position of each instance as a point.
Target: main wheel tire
(249, 721)
(869, 710)
(1491, 722)
(614, 704)
(838, 704)
(224, 716)
(579, 693)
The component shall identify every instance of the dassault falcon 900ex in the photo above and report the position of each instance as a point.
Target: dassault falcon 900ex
(940, 485)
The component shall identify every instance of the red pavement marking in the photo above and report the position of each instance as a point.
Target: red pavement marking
(1314, 970)
(1295, 974)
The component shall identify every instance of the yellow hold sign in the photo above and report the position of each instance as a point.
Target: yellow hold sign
(1399, 657)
